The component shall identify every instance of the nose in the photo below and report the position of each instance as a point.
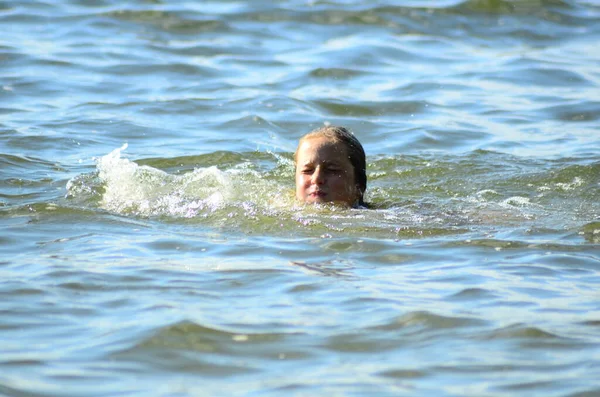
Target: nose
(318, 176)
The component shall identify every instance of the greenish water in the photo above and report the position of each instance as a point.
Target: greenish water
(150, 242)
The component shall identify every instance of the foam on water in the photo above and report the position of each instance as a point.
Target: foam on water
(142, 190)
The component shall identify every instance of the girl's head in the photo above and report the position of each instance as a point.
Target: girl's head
(330, 167)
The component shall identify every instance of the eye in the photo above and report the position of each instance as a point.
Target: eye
(307, 171)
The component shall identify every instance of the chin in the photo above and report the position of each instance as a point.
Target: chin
(313, 200)
(337, 203)
(316, 200)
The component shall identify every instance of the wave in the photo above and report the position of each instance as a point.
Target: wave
(411, 196)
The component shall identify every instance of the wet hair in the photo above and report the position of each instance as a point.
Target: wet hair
(356, 153)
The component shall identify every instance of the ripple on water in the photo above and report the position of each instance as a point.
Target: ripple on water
(412, 329)
(473, 294)
(191, 347)
(424, 320)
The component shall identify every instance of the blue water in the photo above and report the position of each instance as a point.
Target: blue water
(151, 245)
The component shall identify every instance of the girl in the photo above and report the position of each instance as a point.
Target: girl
(331, 167)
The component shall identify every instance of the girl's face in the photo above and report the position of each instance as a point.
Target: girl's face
(324, 173)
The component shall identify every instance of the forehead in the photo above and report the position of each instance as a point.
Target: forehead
(322, 149)
(322, 146)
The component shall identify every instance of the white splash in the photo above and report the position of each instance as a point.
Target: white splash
(575, 183)
(144, 190)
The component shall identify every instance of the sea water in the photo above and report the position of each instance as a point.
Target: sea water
(151, 244)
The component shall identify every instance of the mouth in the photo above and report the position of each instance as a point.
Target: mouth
(317, 194)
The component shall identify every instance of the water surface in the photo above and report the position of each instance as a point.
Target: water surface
(151, 245)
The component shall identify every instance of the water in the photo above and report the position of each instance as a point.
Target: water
(151, 245)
